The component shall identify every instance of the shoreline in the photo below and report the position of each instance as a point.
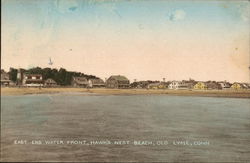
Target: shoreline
(104, 91)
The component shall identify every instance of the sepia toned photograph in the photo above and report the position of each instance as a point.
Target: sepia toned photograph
(125, 81)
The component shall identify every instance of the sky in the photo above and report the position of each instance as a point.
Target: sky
(141, 39)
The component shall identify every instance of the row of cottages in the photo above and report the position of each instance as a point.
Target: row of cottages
(238, 86)
(206, 85)
(139, 84)
(36, 80)
(149, 84)
(220, 85)
(158, 85)
(180, 85)
(117, 81)
(84, 82)
(33, 80)
(184, 84)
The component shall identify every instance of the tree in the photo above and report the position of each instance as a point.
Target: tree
(13, 74)
(47, 73)
(61, 75)
(68, 78)
(36, 70)
(54, 73)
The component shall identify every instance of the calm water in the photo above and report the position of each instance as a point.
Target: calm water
(169, 128)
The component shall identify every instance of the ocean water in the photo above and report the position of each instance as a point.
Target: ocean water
(109, 128)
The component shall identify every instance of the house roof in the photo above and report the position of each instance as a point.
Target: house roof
(118, 77)
(244, 85)
(213, 85)
(32, 74)
(97, 81)
(50, 81)
(80, 80)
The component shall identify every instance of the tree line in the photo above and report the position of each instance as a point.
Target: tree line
(61, 76)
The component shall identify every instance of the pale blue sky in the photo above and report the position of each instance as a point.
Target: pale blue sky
(147, 12)
(105, 33)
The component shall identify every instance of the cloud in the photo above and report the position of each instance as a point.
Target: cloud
(177, 15)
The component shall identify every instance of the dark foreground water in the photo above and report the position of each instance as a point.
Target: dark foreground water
(73, 127)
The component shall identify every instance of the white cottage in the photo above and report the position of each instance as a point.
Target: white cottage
(33, 80)
(178, 85)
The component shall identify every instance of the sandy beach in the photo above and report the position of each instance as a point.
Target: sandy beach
(104, 91)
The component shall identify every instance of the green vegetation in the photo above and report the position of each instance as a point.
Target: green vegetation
(13, 74)
(61, 76)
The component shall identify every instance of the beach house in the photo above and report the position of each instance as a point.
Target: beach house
(200, 85)
(213, 85)
(5, 79)
(79, 82)
(50, 83)
(236, 86)
(180, 85)
(225, 85)
(96, 83)
(159, 85)
(32, 80)
(117, 81)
